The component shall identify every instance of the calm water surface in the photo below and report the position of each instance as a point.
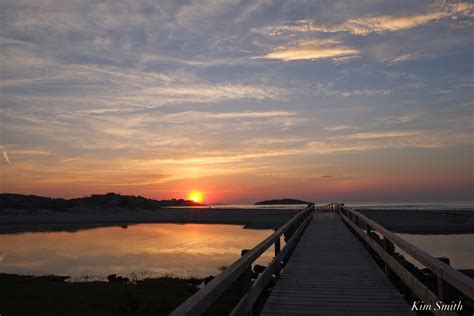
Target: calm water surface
(458, 248)
(143, 250)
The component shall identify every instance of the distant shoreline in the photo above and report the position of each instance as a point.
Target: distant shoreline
(399, 221)
(27, 221)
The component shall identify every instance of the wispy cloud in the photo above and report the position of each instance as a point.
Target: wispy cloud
(329, 90)
(7, 159)
(380, 23)
(398, 119)
(340, 127)
(312, 50)
(68, 160)
(378, 134)
(158, 95)
(193, 116)
(31, 152)
(393, 139)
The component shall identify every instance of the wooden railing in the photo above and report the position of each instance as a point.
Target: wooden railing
(444, 273)
(333, 207)
(201, 300)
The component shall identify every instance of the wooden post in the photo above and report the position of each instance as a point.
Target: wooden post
(385, 248)
(278, 264)
(369, 230)
(440, 285)
(245, 278)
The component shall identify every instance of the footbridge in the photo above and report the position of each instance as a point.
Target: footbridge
(334, 261)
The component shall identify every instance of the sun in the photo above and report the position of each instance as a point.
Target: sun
(195, 196)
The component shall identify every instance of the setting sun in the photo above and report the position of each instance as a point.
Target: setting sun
(196, 197)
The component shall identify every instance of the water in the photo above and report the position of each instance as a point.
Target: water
(463, 205)
(139, 251)
(458, 248)
(250, 206)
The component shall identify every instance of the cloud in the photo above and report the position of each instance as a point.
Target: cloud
(228, 158)
(68, 160)
(182, 117)
(30, 152)
(378, 134)
(203, 93)
(328, 90)
(7, 159)
(393, 139)
(339, 127)
(400, 58)
(126, 88)
(379, 23)
(313, 49)
(398, 119)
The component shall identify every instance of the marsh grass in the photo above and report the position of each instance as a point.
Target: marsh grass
(50, 295)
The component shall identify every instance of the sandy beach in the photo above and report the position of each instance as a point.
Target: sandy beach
(401, 221)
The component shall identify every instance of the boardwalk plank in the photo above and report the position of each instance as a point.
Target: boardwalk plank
(330, 273)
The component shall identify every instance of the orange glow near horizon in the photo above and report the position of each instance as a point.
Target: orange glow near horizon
(195, 196)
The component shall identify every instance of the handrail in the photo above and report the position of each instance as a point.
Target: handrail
(332, 207)
(443, 272)
(202, 299)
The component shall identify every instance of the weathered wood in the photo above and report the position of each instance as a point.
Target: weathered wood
(201, 300)
(331, 273)
(277, 263)
(328, 272)
(457, 279)
(418, 288)
(246, 303)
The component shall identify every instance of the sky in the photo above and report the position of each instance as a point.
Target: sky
(238, 100)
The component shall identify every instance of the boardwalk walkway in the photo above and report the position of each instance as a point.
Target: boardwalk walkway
(330, 273)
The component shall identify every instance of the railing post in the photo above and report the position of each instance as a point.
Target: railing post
(440, 285)
(369, 230)
(385, 242)
(245, 279)
(278, 264)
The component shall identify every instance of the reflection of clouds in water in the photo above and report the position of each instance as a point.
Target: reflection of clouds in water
(153, 249)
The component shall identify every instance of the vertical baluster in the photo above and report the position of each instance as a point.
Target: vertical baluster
(245, 279)
(440, 285)
(385, 247)
(278, 264)
(369, 230)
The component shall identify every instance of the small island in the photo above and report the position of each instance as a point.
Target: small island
(281, 202)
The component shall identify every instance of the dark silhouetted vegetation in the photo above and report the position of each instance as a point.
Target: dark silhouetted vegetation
(95, 201)
(51, 295)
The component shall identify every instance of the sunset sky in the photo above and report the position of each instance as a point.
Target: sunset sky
(238, 100)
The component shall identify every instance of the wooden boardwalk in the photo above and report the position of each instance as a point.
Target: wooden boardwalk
(331, 273)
